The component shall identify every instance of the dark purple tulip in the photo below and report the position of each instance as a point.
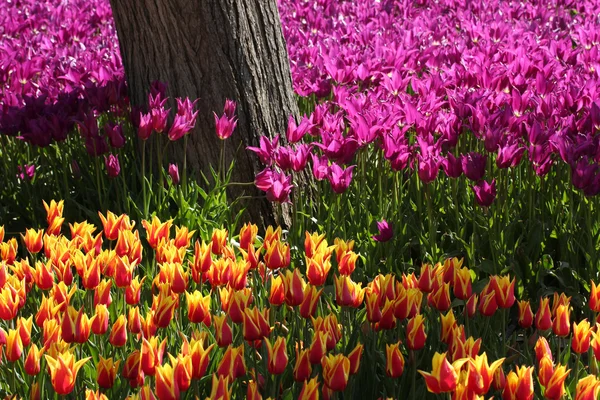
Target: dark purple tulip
(583, 173)
(294, 132)
(473, 165)
(339, 178)
(174, 173)
(485, 193)
(112, 165)
(452, 166)
(115, 135)
(224, 126)
(229, 108)
(386, 231)
(159, 119)
(299, 157)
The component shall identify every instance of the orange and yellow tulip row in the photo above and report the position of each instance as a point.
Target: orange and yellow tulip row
(90, 313)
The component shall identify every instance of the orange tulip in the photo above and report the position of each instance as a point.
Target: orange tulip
(488, 304)
(310, 390)
(308, 307)
(448, 324)
(166, 387)
(256, 324)
(111, 224)
(234, 302)
(543, 316)
(278, 358)
(314, 243)
(63, 371)
(505, 291)
(462, 283)
(183, 370)
(219, 241)
(24, 327)
(198, 308)
(75, 326)
(102, 293)
(303, 367)
(133, 291)
(294, 285)
(336, 371)
(2, 233)
(14, 345)
(545, 370)
(481, 374)
(317, 269)
(561, 325)
(330, 325)
(277, 293)
(388, 315)
(318, 347)
(223, 333)
(164, 306)
(524, 390)
(252, 392)
(132, 370)
(156, 231)
(595, 342)
(183, 237)
(594, 302)
(394, 360)
(347, 263)
(152, 354)
(587, 388)
(542, 348)
(232, 364)
(471, 306)
(440, 298)
(221, 388)
(248, 234)
(444, 376)
(32, 362)
(510, 390)
(580, 342)
(373, 301)
(97, 395)
(99, 322)
(555, 389)
(277, 255)
(347, 292)
(106, 370)
(118, 333)
(123, 272)
(525, 314)
(33, 240)
(354, 357)
(415, 333)
(200, 357)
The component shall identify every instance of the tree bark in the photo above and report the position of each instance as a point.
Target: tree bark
(213, 50)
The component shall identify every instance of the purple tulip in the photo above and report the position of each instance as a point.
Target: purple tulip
(145, 126)
(266, 150)
(26, 172)
(386, 231)
(509, 155)
(224, 126)
(428, 169)
(473, 165)
(320, 167)
(229, 108)
(174, 173)
(583, 173)
(339, 178)
(181, 127)
(112, 165)
(280, 188)
(485, 193)
(264, 179)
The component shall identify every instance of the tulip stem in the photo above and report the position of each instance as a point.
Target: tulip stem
(578, 356)
(185, 143)
(145, 195)
(432, 228)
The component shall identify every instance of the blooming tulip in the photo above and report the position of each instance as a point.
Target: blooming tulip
(336, 371)
(63, 371)
(444, 376)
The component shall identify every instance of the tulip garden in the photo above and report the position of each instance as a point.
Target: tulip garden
(445, 245)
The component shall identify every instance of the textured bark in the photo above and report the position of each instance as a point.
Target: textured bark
(212, 50)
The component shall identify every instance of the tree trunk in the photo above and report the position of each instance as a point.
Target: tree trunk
(213, 50)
